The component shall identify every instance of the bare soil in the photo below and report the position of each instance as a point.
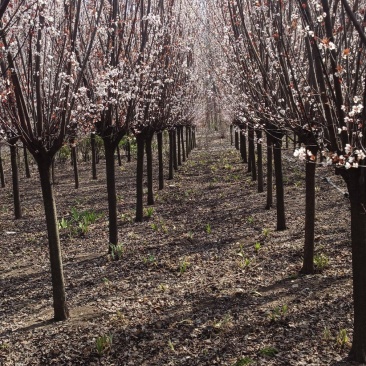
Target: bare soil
(206, 280)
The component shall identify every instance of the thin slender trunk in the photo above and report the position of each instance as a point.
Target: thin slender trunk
(253, 167)
(236, 140)
(26, 162)
(277, 155)
(356, 183)
(231, 135)
(2, 177)
(149, 168)
(260, 162)
(109, 149)
(159, 136)
(128, 150)
(119, 156)
(94, 156)
(74, 156)
(15, 180)
(171, 157)
(175, 157)
(242, 152)
(187, 142)
(183, 148)
(58, 284)
(140, 178)
(269, 172)
(178, 146)
(308, 261)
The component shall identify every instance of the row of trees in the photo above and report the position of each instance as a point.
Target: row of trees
(297, 68)
(105, 68)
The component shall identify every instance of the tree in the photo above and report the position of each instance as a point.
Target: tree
(40, 95)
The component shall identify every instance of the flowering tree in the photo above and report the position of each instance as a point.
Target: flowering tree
(45, 64)
(309, 57)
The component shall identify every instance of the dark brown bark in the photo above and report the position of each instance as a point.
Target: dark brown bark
(94, 155)
(58, 284)
(128, 150)
(183, 148)
(187, 142)
(159, 136)
(277, 157)
(178, 146)
(269, 172)
(253, 167)
(74, 157)
(149, 169)
(119, 156)
(2, 177)
(236, 140)
(260, 162)
(175, 155)
(15, 180)
(111, 191)
(171, 155)
(231, 135)
(308, 260)
(244, 148)
(140, 178)
(356, 183)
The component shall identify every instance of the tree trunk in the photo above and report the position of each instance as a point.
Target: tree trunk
(231, 135)
(109, 149)
(26, 162)
(53, 176)
(356, 183)
(149, 168)
(140, 178)
(2, 177)
(128, 150)
(308, 262)
(253, 168)
(281, 219)
(269, 173)
(187, 142)
(58, 284)
(94, 156)
(244, 142)
(171, 155)
(74, 156)
(260, 162)
(236, 140)
(178, 146)
(15, 179)
(119, 156)
(183, 148)
(160, 159)
(175, 157)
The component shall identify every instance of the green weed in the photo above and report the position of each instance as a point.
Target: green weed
(116, 251)
(183, 266)
(268, 351)
(243, 361)
(321, 262)
(103, 344)
(278, 313)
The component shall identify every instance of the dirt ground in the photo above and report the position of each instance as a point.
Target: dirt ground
(205, 280)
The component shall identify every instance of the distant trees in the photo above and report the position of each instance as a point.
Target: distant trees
(76, 69)
(299, 68)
